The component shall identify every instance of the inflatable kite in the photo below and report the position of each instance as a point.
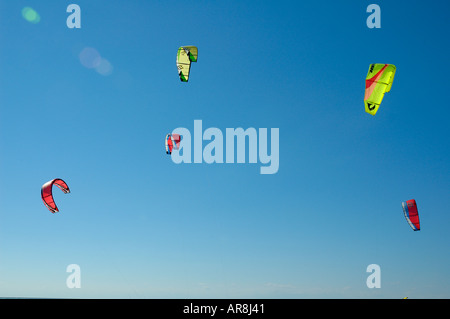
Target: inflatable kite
(185, 56)
(411, 214)
(47, 194)
(378, 81)
(172, 142)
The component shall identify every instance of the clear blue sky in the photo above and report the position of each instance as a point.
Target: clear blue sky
(141, 226)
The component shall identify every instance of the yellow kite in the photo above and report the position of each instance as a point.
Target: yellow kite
(378, 81)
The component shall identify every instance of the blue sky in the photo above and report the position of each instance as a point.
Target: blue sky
(141, 226)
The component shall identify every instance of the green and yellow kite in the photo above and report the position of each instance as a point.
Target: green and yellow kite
(186, 55)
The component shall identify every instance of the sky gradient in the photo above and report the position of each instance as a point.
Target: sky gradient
(141, 226)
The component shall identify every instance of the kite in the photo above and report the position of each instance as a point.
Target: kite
(47, 195)
(185, 56)
(378, 81)
(172, 142)
(411, 214)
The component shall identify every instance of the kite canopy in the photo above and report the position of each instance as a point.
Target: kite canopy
(186, 55)
(411, 214)
(47, 195)
(378, 81)
(172, 142)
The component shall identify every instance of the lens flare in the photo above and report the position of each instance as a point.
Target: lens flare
(30, 15)
(104, 67)
(90, 58)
